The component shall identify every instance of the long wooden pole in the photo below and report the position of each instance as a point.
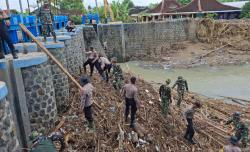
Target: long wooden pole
(45, 50)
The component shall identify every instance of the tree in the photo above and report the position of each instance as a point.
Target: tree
(152, 5)
(72, 5)
(129, 3)
(246, 11)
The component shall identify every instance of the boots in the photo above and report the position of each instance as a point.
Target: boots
(1, 55)
(91, 126)
(14, 54)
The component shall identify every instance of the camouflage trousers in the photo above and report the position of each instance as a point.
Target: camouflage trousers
(46, 30)
(118, 83)
(243, 136)
(180, 97)
(165, 104)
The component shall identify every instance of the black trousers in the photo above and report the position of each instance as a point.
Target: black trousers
(190, 129)
(88, 113)
(107, 69)
(4, 37)
(130, 103)
(69, 29)
(91, 65)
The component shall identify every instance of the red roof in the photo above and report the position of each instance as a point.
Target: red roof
(205, 6)
(168, 6)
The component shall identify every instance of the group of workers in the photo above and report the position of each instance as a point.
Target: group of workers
(130, 92)
(240, 128)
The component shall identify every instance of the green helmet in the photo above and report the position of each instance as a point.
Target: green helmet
(168, 81)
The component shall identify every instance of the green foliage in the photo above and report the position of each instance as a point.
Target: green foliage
(184, 2)
(152, 5)
(76, 19)
(129, 3)
(121, 10)
(246, 11)
(211, 15)
(72, 5)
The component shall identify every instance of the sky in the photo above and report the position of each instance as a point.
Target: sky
(14, 4)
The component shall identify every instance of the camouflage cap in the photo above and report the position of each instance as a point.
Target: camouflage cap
(237, 114)
(233, 140)
(198, 104)
(180, 77)
(168, 81)
(84, 80)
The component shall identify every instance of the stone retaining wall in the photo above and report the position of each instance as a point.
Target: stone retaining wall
(40, 95)
(8, 138)
(60, 80)
(75, 55)
(142, 39)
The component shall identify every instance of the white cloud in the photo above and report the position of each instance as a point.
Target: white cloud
(14, 4)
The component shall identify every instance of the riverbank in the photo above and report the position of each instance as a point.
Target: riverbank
(212, 82)
(155, 130)
(194, 54)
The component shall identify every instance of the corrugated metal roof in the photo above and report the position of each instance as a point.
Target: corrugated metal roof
(205, 5)
(168, 6)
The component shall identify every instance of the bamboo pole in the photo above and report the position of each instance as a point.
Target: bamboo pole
(45, 50)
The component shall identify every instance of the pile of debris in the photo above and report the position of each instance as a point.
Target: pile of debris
(154, 131)
(232, 33)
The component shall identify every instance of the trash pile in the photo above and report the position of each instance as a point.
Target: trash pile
(154, 131)
(235, 34)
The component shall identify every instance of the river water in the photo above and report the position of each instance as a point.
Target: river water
(233, 81)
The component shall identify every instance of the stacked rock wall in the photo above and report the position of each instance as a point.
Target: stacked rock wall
(40, 95)
(142, 39)
(60, 80)
(75, 53)
(8, 138)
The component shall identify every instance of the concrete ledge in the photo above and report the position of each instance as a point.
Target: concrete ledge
(30, 59)
(58, 38)
(29, 47)
(52, 45)
(3, 64)
(3, 90)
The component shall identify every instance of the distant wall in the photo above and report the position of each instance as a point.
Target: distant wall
(141, 39)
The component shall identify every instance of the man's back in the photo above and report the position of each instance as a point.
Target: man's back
(231, 148)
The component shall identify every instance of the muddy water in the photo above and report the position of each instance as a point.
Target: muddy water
(233, 81)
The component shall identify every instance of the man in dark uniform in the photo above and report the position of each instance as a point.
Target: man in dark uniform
(4, 35)
(189, 116)
(130, 92)
(181, 87)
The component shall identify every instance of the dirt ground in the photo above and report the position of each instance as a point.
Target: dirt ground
(156, 131)
(193, 54)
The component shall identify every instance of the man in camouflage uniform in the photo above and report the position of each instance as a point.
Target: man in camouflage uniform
(166, 97)
(46, 19)
(181, 87)
(117, 73)
(241, 130)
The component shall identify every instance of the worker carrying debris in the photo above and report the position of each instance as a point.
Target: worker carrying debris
(166, 97)
(233, 147)
(241, 130)
(189, 116)
(87, 102)
(181, 87)
(91, 60)
(117, 73)
(130, 92)
(42, 143)
(105, 67)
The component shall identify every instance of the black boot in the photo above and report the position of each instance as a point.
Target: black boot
(14, 54)
(192, 142)
(2, 55)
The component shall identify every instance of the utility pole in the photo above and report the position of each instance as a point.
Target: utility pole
(8, 6)
(28, 6)
(21, 9)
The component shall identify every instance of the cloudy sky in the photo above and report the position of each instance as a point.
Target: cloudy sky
(14, 4)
